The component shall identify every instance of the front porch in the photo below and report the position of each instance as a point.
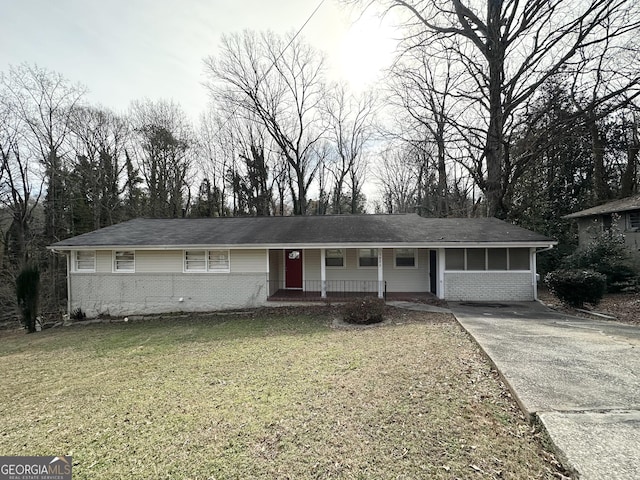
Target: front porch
(338, 273)
(284, 295)
(312, 290)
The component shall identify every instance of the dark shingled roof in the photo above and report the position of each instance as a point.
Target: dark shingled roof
(303, 230)
(622, 205)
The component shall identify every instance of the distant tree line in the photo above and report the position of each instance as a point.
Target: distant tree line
(521, 110)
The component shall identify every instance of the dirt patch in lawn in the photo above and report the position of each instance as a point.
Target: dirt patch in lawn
(273, 394)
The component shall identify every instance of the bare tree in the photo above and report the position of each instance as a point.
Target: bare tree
(508, 50)
(597, 92)
(44, 102)
(216, 151)
(397, 178)
(21, 187)
(277, 80)
(422, 88)
(164, 151)
(237, 153)
(355, 185)
(350, 127)
(321, 206)
(99, 140)
(254, 163)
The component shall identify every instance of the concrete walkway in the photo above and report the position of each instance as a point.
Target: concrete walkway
(579, 377)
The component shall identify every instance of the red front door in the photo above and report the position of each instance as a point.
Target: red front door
(293, 268)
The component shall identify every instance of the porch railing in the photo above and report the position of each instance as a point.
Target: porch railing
(333, 289)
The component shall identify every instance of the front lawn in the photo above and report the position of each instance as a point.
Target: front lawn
(275, 394)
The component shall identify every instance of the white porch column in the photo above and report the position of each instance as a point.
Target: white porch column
(323, 273)
(380, 275)
(534, 271)
(440, 262)
(69, 260)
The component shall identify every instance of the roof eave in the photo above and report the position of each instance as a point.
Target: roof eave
(253, 246)
(591, 212)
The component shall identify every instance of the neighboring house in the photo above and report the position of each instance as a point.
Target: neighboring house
(623, 214)
(167, 265)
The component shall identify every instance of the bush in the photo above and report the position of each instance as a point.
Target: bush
(78, 314)
(608, 255)
(577, 287)
(27, 291)
(363, 311)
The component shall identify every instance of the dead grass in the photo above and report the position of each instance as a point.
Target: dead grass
(624, 307)
(268, 395)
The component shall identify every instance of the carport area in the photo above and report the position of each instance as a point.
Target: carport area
(579, 377)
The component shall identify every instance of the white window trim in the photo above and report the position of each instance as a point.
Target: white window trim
(113, 262)
(344, 259)
(219, 270)
(184, 261)
(403, 267)
(207, 267)
(630, 227)
(74, 264)
(366, 267)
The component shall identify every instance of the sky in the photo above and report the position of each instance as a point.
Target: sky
(124, 50)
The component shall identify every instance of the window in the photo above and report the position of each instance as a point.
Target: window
(334, 257)
(218, 260)
(368, 257)
(195, 261)
(406, 257)
(496, 259)
(85, 261)
(124, 261)
(476, 259)
(206, 261)
(634, 220)
(454, 258)
(519, 259)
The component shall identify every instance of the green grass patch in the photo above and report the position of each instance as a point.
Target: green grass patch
(263, 396)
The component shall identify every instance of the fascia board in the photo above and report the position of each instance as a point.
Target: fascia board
(310, 246)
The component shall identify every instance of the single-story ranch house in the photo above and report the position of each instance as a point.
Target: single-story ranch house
(167, 265)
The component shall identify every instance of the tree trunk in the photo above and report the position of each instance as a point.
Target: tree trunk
(494, 151)
(600, 186)
(302, 194)
(443, 194)
(628, 183)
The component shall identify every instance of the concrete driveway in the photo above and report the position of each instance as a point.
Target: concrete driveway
(580, 377)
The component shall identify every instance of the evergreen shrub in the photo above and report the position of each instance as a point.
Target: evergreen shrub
(364, 311)
(608, 255)
(577, 287)
(27, 292)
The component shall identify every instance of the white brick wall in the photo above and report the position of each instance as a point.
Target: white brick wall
(145, 293)
(488, 286)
